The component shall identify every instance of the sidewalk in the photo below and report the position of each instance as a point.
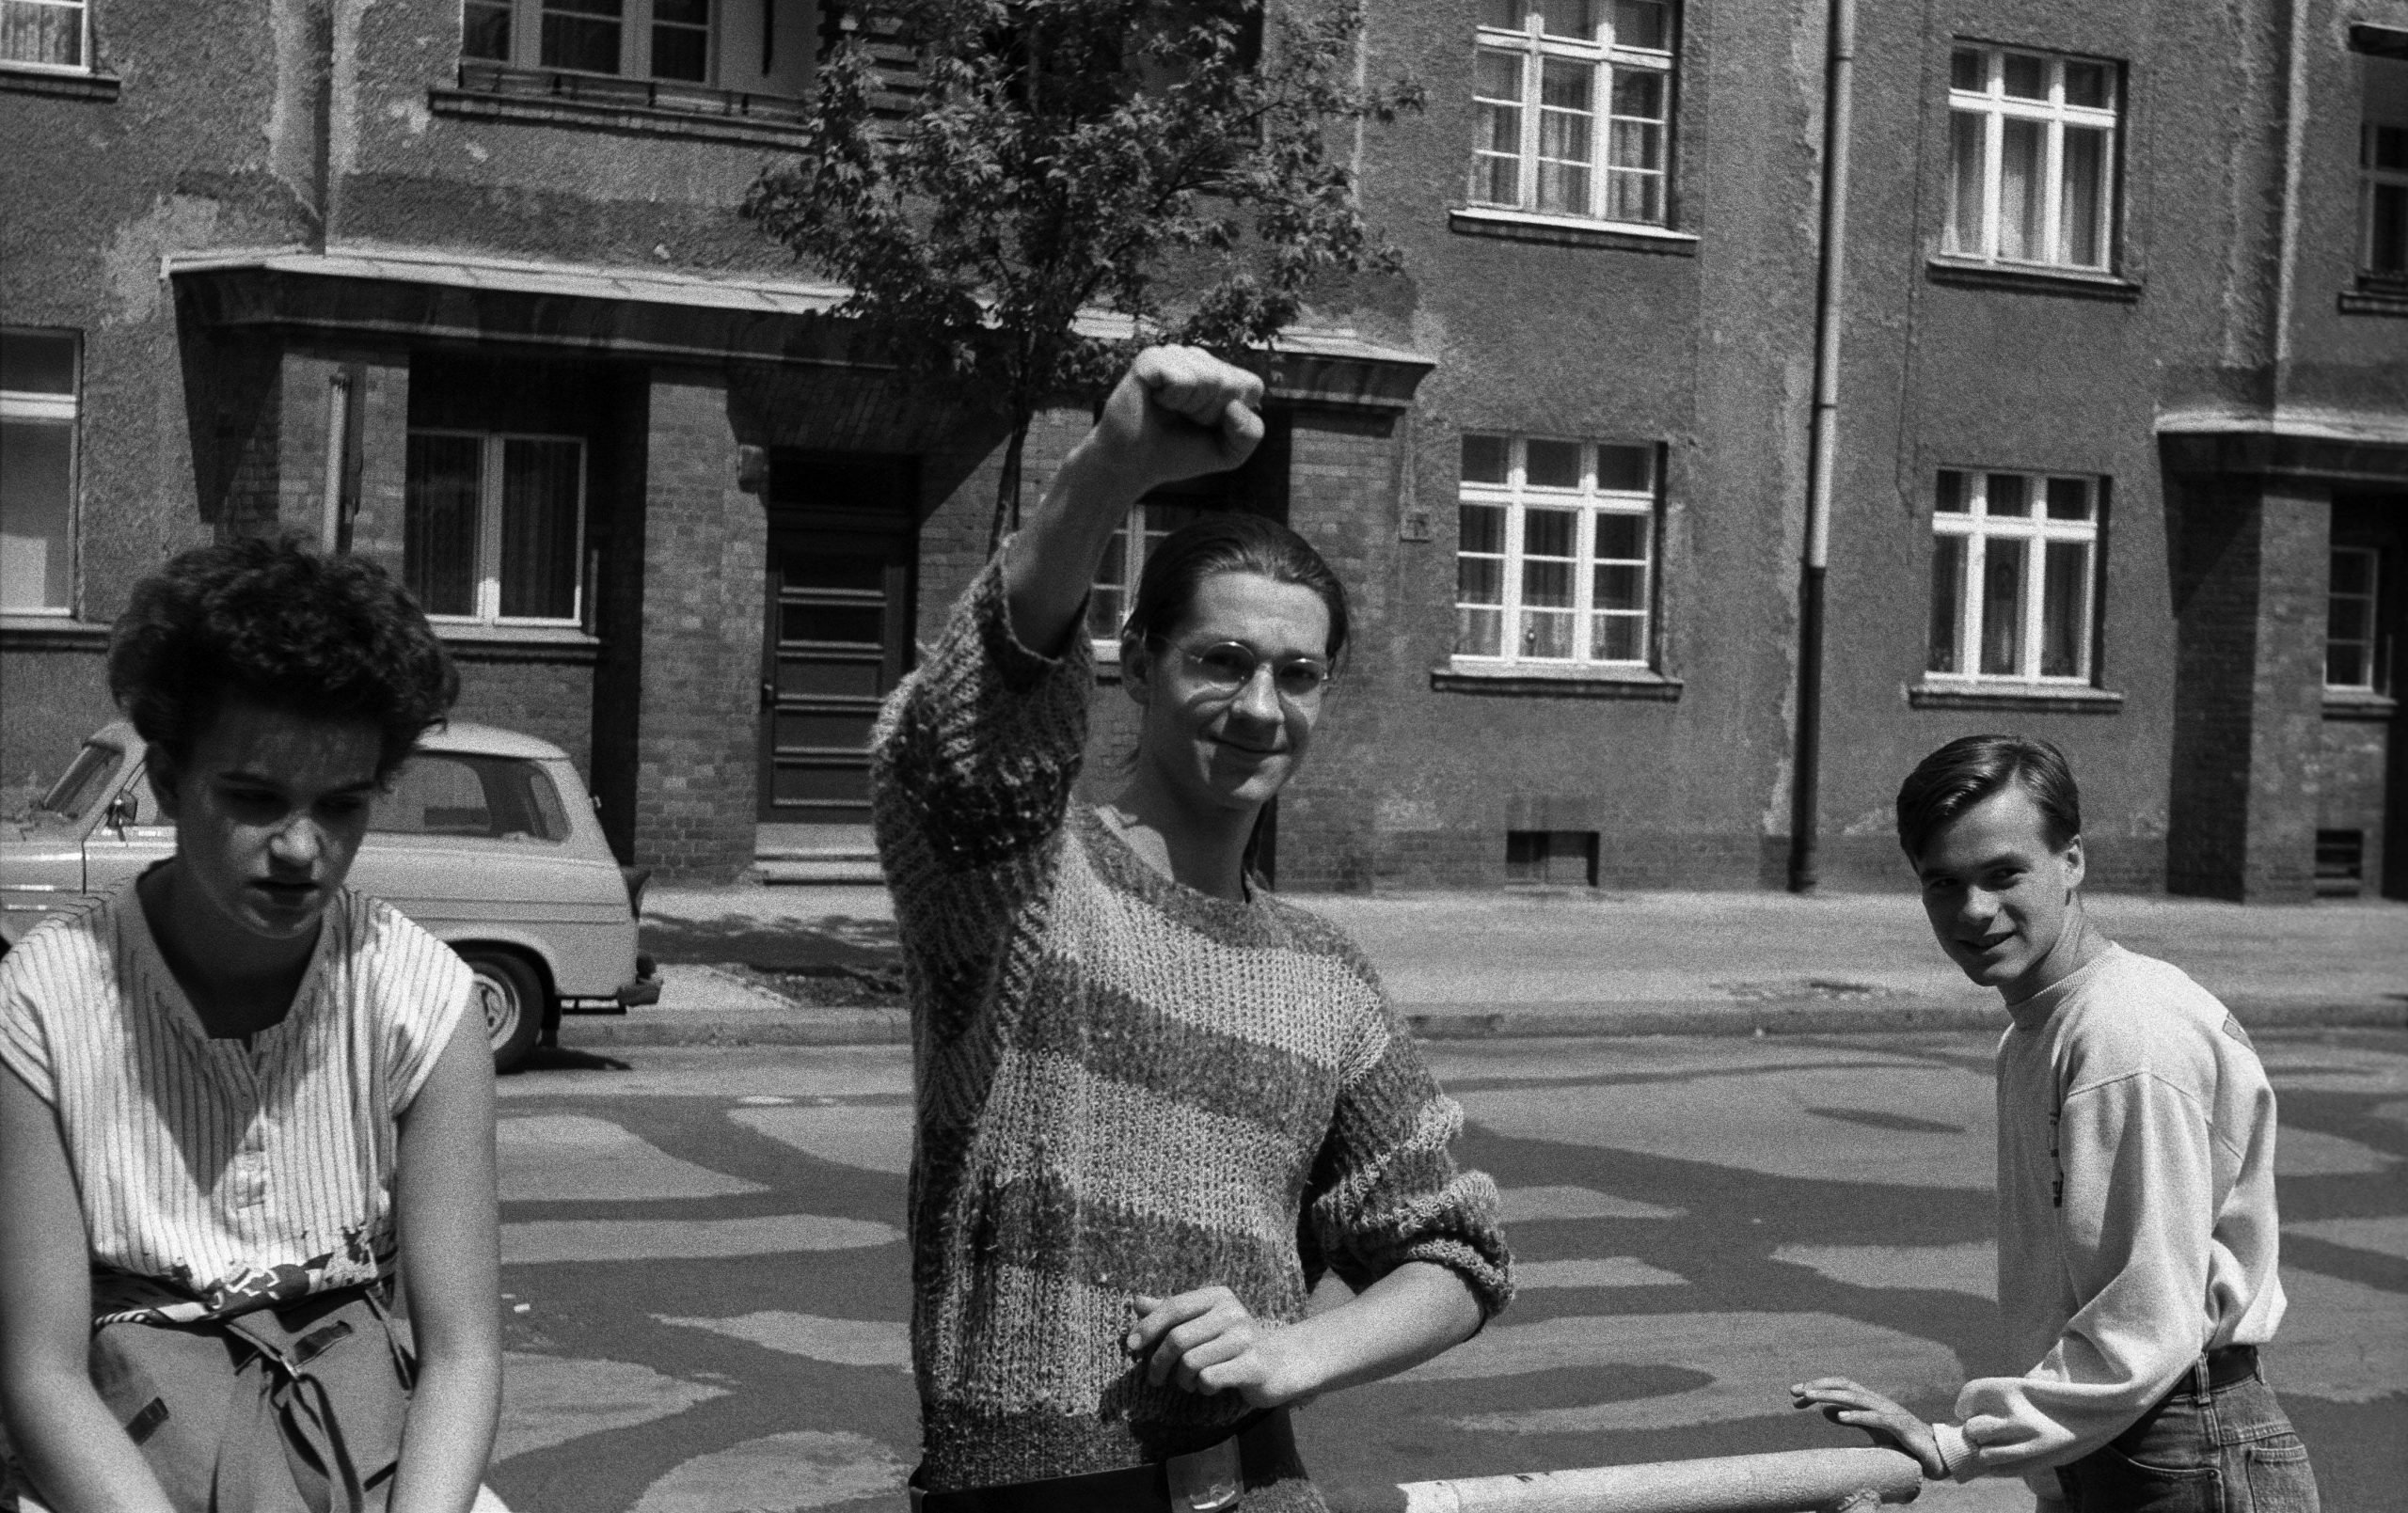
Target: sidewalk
(817, 964)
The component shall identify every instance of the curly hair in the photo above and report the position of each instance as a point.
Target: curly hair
(332, 637)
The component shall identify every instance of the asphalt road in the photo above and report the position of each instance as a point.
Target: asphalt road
(705, 1268)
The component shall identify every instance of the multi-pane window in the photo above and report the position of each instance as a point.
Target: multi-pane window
(2031, 158)
(493, 525)
(46, 34)
(2014, 566)
(1124, 560)
(2382, 170)
(1556, 551)
(1572, 100)
(635, 38)
(2352, 648)
(38, 389)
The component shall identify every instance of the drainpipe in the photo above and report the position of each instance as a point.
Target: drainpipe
(1822, 444)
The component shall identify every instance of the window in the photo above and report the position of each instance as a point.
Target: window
(2382, 171)
(2031, 158)
(1115, 582)
(37, 388)
(1556, 547)
(2013, 573)
(2353, 649)
(456, 794)
(493, 525)
(46, 34)
(1556, 858)
(637, 39)
(1574, 105)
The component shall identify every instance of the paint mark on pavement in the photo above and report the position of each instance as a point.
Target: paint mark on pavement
(2313, 1153)
(2384, 1237)
(555, 1157)
(1609, 1271)
(1970, 1268)
(550, 1399)
(876, 1137)
(1779, 1124)
(806, 1468)
(1524, 1205)
(685, 1240)
(844, 1342)
(2340, 1340)
(1740, 1351)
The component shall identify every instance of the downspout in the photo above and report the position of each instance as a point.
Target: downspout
(1822, 443)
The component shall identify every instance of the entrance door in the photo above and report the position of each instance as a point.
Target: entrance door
(837, 638)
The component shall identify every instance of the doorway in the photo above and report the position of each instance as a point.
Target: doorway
(836, 638)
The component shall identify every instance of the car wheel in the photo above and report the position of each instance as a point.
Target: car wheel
(513, 1001)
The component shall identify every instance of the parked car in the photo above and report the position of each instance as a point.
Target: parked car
(487, 838)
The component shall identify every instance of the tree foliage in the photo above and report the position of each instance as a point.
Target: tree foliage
(1174, 161)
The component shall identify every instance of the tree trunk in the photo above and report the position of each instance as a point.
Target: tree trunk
(1008, 483)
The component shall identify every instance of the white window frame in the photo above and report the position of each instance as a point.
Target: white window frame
(1517, 496)
(2031, 534)
(59, 410)
(1533, 47)
(1996, 107)
(1133, 534)
(83, 37)
(2372, 598)
(489, 528)
(635, 42)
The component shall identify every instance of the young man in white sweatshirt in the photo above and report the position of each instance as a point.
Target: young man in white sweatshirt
(2137, 1229)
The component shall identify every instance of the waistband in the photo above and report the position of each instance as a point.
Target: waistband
(1205, 1481)
(2232, 1365)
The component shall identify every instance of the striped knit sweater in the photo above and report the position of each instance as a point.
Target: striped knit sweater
(1125, 1086)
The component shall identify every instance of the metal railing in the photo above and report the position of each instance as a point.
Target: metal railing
(1791, 1481)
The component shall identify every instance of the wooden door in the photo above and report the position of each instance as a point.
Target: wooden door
(837, 638)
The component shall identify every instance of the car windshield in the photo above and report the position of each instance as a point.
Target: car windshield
(458, 794)
(86, 779)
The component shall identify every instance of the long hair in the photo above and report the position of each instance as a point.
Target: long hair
(1228, 541)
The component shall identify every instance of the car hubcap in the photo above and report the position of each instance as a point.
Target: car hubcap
(500, 1006)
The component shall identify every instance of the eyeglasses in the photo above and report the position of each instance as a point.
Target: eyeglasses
(1228, 667)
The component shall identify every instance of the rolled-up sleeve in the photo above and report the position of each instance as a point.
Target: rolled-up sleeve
(1386, 1189)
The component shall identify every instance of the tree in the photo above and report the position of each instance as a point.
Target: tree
(1149, 158)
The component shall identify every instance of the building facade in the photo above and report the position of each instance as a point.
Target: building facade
(2119, 418)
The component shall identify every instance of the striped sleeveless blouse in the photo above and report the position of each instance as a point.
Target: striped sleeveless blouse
(217, 1177)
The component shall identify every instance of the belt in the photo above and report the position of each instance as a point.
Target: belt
(2233, 1363)
(1204, 1481)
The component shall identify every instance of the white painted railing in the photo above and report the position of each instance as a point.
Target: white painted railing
(1792, 1481)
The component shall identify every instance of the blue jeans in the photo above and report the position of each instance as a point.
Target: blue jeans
(2226, 1449)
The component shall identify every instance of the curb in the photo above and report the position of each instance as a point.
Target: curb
(880, 1026)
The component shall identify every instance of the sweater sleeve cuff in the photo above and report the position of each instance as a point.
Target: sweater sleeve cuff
(1955, 1451)
(1022, 668)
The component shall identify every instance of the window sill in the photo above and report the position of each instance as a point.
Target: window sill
(2358, 703)
(2375, 297)
(2019, 279)
(518, 643)
(1568, 231)
(20, 631)
(2023, 698)
(493, 91)
(1528, 680)
(58, 84)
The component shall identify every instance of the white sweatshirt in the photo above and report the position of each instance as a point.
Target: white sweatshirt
(2136, 1211)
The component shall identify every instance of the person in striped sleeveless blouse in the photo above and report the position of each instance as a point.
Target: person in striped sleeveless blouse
(239, 1100)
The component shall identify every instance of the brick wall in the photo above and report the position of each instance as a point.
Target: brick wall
(696, 790)
(2249, 599)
